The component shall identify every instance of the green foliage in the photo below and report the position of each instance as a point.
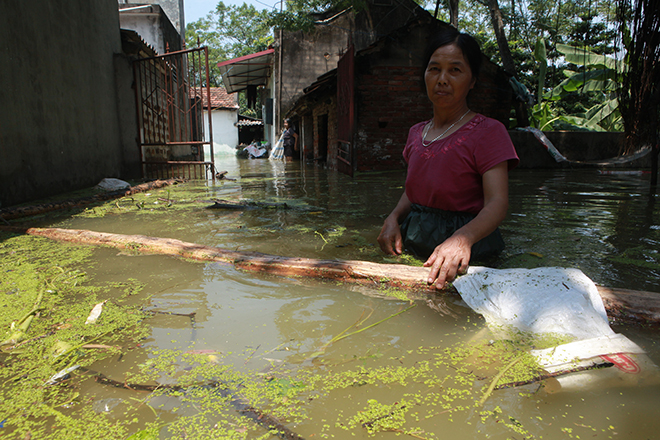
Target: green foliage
(542, 58)
(596, 83)
(231, 31)
(537, 26)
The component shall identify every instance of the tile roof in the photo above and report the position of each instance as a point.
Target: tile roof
(220, 99)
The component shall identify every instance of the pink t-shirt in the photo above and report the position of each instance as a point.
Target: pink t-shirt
(447, 174)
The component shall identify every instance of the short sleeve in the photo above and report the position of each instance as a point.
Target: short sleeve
(494, 147)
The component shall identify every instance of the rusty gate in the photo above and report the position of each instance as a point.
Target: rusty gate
(345, 115)
(171, 92)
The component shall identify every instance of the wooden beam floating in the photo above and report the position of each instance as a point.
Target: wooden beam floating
(623, 305)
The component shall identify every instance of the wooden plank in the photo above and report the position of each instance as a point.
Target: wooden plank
(623, 305)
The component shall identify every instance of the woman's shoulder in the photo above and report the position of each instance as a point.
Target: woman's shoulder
(483, 126)
(419, 126)
(492, 142)
(484, 122)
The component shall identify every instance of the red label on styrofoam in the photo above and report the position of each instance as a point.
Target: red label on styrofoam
(623, 362)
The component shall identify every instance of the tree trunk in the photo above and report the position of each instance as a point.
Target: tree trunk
(453, 13)
(500, 36)
(507, 59)
(639, 91)
(624, 306)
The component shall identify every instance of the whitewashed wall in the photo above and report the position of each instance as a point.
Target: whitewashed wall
(225, 132)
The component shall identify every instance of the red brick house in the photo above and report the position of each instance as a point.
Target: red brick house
(356, 117)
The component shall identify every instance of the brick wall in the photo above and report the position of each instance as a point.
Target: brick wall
(326, 106)
(389, 100)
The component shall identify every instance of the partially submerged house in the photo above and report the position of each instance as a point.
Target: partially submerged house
(356, 117)
(86, 97)
(352, 86)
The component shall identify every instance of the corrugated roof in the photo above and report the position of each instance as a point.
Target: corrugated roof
(250, 70)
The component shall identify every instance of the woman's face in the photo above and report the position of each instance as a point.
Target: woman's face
(448, 78)
(286, 124)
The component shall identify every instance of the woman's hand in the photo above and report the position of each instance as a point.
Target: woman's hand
(452, 257)
(389, 239)
(449, 259)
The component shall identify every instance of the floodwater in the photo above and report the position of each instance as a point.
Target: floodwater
(607, 225)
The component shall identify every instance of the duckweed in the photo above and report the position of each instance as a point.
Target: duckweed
(210, 397)
(200, 395)
(206, 396)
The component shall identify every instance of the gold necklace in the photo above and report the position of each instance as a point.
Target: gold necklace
(427, 128)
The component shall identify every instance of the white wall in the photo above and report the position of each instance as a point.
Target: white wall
(225, 132)
(147, 25)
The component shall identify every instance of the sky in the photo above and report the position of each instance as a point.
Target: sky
(196, 9)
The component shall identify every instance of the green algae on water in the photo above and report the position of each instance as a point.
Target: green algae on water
(33, 401)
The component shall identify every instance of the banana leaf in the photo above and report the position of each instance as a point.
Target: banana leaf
(583, 57)
(600, 112)
(601, 80)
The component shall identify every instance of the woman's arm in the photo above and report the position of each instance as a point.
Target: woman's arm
(295, 145)
(390, 235)
(453, 255)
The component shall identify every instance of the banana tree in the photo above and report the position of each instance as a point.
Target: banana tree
(542, 112)
(599, 78)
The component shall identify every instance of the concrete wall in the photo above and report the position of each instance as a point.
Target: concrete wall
(306, 56)
(59, 124)
(154, 26)
(131, 166)
(575, 146)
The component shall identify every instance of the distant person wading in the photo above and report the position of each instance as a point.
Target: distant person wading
(290, 138)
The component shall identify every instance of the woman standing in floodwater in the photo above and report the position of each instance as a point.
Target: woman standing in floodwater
(457, 190)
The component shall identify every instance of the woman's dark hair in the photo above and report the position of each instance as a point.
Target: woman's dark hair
(467, 44)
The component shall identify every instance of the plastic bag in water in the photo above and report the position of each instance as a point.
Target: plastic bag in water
(558, 301)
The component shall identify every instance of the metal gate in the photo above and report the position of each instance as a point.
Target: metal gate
(345, 115)
(171, 92)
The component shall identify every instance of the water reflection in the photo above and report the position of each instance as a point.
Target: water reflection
(605, 225)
